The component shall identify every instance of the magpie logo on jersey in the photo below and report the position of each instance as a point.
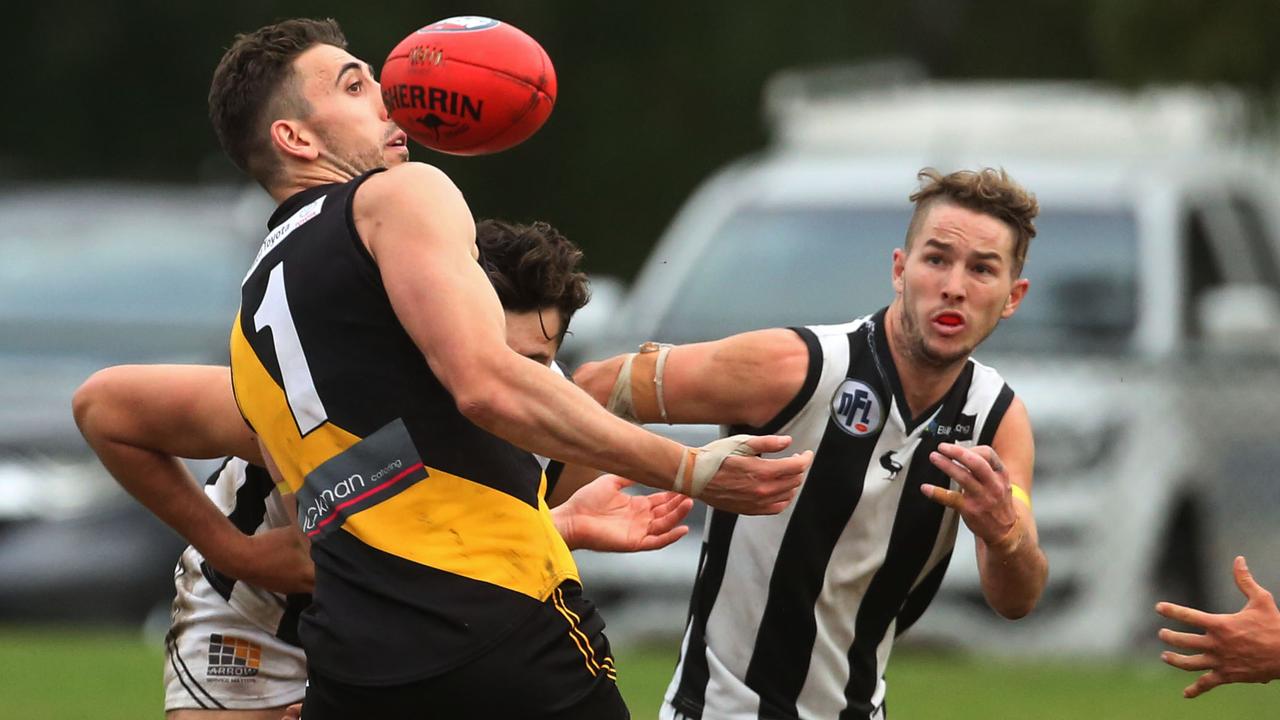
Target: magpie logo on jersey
(856, 408)
(893, 466)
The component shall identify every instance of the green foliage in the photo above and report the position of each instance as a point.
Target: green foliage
(653, 96)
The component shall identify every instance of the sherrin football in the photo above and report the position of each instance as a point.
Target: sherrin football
(469, 85)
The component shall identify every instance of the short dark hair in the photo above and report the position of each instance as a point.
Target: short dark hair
(533, 267)
(254, 85)
(987, 191)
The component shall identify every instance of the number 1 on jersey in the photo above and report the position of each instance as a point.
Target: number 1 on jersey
(299, 388)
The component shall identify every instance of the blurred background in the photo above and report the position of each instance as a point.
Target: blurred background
(788, 134)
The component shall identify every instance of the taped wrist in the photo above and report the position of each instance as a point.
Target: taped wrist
(637, 391)
(699, 465)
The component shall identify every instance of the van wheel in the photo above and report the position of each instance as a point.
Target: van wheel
(1178, 575)
(1179, 572)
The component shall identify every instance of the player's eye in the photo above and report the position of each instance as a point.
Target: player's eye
(982, 269)
(355, 86)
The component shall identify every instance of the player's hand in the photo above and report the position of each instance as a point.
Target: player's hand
(985, 498)
(750, 485)
(293, 712)
(600, 516)
(1241, 647)
(278, 560)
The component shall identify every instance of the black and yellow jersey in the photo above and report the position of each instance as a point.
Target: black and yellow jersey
(430, 536)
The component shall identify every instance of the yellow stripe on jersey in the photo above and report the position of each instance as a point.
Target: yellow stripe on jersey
(462, 527)
(263, 403)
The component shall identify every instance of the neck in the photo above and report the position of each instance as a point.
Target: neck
(923, 383)
(301, 177)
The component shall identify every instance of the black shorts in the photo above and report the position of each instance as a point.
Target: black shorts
(556, 666)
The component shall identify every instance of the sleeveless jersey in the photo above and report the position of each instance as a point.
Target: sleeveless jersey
(245, 494)
(430, 536)
(794, 615)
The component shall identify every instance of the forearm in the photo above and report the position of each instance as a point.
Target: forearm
(528, 405)
(1013, 574)
(163, 485)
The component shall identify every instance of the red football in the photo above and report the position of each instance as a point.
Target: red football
(469, 85)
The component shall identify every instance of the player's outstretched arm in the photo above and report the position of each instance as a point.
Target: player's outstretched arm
(745, 379)
(995, 502)
(421, 234)
(1240, 647)
(140, 418)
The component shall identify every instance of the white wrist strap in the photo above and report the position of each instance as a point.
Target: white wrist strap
(620, 398)
(706, 461)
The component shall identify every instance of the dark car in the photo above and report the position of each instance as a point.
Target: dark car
(92, 276)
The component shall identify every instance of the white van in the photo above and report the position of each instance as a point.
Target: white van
(1146, 351)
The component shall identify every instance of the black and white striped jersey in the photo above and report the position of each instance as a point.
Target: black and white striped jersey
(794, 615)
(247, 495)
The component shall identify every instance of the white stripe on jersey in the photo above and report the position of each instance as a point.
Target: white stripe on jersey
(263, 608)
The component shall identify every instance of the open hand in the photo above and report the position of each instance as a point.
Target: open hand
(1241, 647)
(600, 516)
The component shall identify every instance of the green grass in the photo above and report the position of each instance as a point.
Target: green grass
(66, 674)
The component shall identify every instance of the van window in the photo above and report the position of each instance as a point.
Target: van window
(770, 267)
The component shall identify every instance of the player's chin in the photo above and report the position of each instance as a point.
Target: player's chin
(394, 155)
(947, 351)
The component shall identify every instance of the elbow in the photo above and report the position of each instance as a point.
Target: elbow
(88, 400)
(483, 399)
(1014, 611)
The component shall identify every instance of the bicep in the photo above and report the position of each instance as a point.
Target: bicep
(181, 410)
(745, 379)
(422, 236)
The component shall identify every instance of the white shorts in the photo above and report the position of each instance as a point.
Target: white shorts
(217, 658)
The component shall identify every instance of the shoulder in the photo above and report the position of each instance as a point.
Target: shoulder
(840, 329)
(987, 379)
(411, 203)
(411, 181)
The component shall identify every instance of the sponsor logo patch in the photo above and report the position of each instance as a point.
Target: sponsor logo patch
(856, 408)
(233, 657)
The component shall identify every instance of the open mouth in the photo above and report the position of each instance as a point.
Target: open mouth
(399, 139)
(949, 322)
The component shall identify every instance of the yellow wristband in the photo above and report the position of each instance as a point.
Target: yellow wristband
(1020, 494)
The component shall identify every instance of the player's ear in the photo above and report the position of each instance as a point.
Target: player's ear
(899, 267)
(294, 139)
(1016, 293)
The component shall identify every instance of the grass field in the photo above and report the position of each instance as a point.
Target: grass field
(58, 674)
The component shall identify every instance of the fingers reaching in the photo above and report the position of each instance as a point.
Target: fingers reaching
(1203, 684)
(1245, 581)
(1186, 615)
(1187, 662)
(768, 443)
(958, 472)
(942, 496)
(1185, 641)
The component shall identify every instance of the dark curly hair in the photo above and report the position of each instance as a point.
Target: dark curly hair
(988, 191)
(254, 85)
(533, 267)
